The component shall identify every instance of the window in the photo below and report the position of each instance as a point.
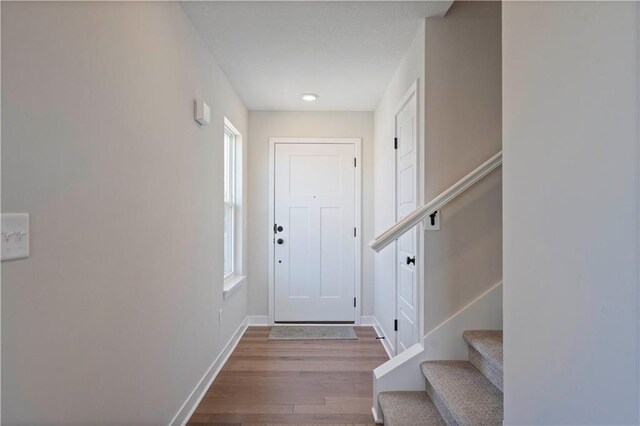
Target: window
(234, 210)
(229, 201)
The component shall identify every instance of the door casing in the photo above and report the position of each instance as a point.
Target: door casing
(357, 143)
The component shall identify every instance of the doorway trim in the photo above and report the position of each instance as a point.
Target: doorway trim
(357, 143)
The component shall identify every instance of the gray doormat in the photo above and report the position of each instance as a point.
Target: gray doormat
(312, 333)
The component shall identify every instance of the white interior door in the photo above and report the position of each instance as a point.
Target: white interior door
(406, 194)
(314, 239)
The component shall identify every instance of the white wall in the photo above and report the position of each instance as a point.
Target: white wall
(265, 124)
(571, 217)
(410, 69)
(114, 317)
(463, 108)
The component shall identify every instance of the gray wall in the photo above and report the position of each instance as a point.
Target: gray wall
(113, 318)
(571, 217)
(463, 107)
(266, 124)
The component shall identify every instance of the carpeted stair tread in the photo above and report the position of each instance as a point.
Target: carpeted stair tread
(462, 394)
(408, 408)
(487, 342)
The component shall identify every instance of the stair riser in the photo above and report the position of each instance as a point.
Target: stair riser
(492, 372)
(442, 409)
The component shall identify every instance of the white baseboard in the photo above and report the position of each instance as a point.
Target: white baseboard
(258, 320)
(386, 343)
(186, 411)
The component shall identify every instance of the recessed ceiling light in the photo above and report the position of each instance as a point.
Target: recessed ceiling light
(309, 97)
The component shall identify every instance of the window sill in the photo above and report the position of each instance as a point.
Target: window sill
(232, 284)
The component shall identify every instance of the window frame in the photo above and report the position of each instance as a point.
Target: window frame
(236, 201)
(229, 195)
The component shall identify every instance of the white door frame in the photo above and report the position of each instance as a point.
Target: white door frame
(420, 198)
(357, 143)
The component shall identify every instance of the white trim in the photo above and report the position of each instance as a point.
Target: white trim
(464, 308)
(398, 360)
(258, 320)
(231, 127)
(191, 403)
(377, 417)
(271, 202)
(386, 343)
(232, 284)
(357, 142)
(422, 198)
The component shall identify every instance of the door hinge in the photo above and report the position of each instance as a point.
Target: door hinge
(354, 161)
(395, 325)
(354, 302)
(354, 232)
(395, 143)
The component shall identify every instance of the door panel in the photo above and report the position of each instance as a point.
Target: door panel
(330, 252)
(405, 326)
(406, 194)
(315, 204)
(407, 186)
(314, 174)
(297, 248)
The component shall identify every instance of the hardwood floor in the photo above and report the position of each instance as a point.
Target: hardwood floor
(294, 382)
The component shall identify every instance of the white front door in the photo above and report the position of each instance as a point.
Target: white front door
(314, 240)
(406, 194)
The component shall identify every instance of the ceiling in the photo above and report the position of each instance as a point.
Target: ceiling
(345, 51)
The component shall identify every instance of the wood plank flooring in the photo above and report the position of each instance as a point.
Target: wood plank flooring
(294, 382)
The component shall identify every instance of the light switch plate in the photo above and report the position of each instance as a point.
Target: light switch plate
(15, 236)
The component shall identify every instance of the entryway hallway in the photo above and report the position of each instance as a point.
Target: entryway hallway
(294, 382)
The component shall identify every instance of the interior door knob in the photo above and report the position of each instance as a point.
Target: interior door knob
(411, 260)
(280, 241)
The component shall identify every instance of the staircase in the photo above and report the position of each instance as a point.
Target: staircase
(458, 392)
